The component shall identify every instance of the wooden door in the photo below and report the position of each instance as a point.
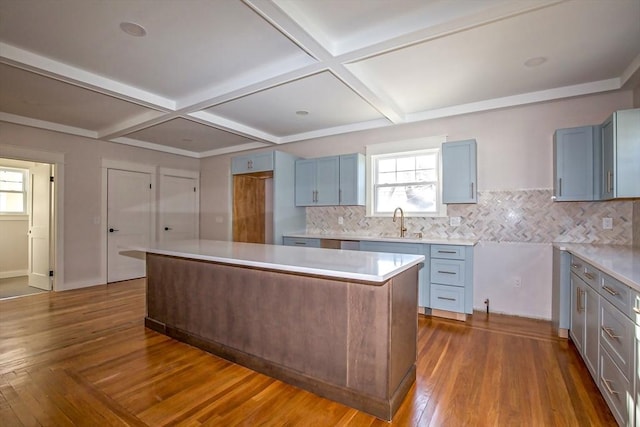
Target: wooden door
(249, 211)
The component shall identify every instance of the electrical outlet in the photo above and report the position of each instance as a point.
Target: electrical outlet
(607, 223)
(340, 220)
(454, 221)
(517, 282)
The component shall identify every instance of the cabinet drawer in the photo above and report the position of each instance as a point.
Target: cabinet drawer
(616, 336)
(391, 247)
(447, 251)
(614, 388)
(634, 304)
(585, 271)
(447, 272)
(301, 241)
(450, 298)
(617, 293)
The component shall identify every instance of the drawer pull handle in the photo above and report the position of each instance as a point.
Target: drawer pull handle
(611, 291)
(607, 386)
(589, 276)
(609, 331)
(636, 309)
(447, 299)
(446, 252)
(446, 272)
(300, 243)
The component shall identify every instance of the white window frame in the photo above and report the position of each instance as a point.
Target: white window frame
(398, 149)
(25, 190)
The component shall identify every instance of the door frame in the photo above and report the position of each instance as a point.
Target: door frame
(56, 254)
(131, 167)
(180, 173)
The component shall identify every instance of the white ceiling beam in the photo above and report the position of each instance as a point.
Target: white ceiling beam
(66, 73)
(209, 119)
(233, 149)
(631, 75)
(354, 127)
(135, 123)
(157, 147)
(521, 99)
(42, 124)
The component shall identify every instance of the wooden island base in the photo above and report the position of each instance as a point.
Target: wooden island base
(349, 341)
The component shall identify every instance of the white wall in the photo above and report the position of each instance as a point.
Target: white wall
(514, 152)
(82, 193)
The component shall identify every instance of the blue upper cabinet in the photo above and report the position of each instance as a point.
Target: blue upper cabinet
(459, 172)
(352, 178)
(620, 173)
(330, 181)
(575, 164)
(259, 162)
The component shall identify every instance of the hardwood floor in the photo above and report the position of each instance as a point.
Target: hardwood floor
(83, 357)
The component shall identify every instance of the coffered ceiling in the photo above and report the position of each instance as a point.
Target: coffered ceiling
(212, 77)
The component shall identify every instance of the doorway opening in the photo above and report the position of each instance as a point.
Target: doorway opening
(26, 224)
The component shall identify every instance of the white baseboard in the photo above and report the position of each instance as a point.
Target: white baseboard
(79, 284)
(14, 273)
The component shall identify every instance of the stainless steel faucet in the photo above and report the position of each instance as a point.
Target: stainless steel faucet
(403, 230)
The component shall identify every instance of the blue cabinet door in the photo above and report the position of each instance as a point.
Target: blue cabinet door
(621, 155)
(352, 179)
(407, 248)
(459, 172)
(305, 182)
(327, 181)
(259, 162)
(573, 166)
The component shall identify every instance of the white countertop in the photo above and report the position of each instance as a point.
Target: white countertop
(365, 266)
(619, 262)
(424, 240)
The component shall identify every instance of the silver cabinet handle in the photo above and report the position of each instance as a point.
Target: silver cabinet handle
(609, 181)
(589, 276)
(579, 300)
(610, 332)
(560, 187)
(300, 244)
(607, 386)
(611, 291)
(340, 196)
(446, 272)
(446, 252)
(447, 299)
(636, 309)
(472, 190)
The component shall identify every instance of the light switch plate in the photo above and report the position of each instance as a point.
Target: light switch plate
(454, 221)
(607, 223)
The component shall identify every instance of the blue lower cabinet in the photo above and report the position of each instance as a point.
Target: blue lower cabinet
(451, 278)
(449, 298)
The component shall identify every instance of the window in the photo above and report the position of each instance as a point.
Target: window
(13, 191)
(405, 174)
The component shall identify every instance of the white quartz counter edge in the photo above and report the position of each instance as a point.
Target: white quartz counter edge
(619, 262)
(347, 237)
(363, 266)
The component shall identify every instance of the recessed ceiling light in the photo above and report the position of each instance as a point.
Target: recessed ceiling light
(133, 29)
(535, 62)
(302, 113)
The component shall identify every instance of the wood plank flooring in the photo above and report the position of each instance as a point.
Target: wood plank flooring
(83, 357)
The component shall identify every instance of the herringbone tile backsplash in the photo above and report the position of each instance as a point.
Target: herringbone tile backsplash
(499, 216)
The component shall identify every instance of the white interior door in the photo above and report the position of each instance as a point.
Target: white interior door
(128, 222)
(39, 225)
(178, 208)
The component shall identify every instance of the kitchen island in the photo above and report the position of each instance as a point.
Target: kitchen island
(341, 324)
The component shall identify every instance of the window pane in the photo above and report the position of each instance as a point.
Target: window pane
(386, 165)
(411, 198)
(12, 203)
(426, 162)
(426, 175)
(387, 178)
(406, 163)
(11, 180)
(408, 176)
